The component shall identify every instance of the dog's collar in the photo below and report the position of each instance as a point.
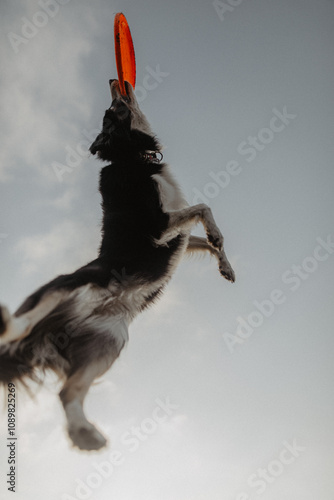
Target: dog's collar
(151, 156)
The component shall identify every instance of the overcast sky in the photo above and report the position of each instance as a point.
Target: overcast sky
(241, 376)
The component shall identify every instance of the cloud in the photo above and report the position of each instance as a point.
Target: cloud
(63, 249)
(65, 201)
(40, 109)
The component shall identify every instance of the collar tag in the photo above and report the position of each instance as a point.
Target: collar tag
(152, 156)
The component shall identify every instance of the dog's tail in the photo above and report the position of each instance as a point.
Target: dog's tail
(15, 366)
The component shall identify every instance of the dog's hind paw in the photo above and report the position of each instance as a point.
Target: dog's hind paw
(87, 437)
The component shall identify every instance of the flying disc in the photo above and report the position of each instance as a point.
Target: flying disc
(124, 52)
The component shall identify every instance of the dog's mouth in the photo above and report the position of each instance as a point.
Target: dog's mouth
(116, 94)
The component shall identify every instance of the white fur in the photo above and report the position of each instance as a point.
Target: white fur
(170, 194)
(19, 327)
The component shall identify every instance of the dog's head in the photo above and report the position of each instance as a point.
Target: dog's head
(125, 131)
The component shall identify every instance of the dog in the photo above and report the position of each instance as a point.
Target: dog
(77, 324)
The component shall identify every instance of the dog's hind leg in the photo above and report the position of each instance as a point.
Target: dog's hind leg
(82, 433)
(197, 244)
(92, 355)
(18, 326)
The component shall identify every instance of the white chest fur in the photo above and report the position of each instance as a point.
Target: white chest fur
(172, 200)
(171, 196)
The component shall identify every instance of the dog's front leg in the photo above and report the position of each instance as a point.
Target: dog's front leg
(197, 244)
(188, 217)
(183, 220)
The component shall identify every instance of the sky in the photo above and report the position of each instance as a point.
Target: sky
(224, 392)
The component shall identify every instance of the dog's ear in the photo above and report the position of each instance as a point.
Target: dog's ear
(115, 133)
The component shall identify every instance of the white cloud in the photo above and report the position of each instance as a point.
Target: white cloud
(40, 109)
(65, 248)
(65, 200)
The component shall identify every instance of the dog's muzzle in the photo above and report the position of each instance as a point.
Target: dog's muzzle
(116, 91)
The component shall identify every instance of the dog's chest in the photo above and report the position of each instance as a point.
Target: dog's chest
(171, 196)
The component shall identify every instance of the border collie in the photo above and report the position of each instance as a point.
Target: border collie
(77, 324)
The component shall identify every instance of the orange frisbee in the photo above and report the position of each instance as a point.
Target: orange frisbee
(124, 52)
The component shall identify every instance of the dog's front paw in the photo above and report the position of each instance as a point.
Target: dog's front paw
(215, 238)
(87, 437)
(225, 269)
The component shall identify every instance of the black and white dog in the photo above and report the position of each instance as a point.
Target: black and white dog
(77, 324)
